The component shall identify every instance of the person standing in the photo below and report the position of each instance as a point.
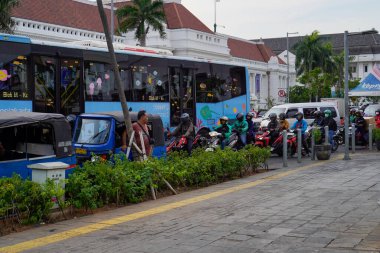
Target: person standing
(141, 126)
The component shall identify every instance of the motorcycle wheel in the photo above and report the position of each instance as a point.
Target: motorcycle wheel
(336, 146)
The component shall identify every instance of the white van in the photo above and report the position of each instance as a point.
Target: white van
(307, 109)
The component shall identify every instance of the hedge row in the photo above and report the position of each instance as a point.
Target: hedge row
(102, 183)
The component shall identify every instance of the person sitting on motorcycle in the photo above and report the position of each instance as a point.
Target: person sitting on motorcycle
(301, 124)
(273, 127)
(318, 121)
(251, 127)
(241, 126)
(225, 129)
(185, 129)
(284, 124)
(377, 118)
(352, 116)
(360, 125)
(331, 124)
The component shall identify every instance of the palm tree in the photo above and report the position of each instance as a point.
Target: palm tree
(123, 101)
(6, 22)
(312, 52)
(141, 16)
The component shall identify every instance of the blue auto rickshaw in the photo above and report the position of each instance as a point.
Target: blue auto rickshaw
(101, 134)
(29, 137)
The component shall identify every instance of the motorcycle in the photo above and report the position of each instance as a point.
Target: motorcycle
(179, 144)
(215, 141)
(277, 146)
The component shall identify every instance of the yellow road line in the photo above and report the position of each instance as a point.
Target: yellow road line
(43, 241)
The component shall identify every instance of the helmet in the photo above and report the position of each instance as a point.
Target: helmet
(249, 116)
(223, 120)
(299, 115)
(185, 117)
(239, 116)
(352, 111)
(377, 112)
(282, 116)
(327, 113)
(318, 114)
(272, 116)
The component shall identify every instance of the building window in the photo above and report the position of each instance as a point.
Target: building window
(365, 68)
(353, 69)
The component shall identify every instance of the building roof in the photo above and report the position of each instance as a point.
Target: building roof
(177, 17)
(75, 14)
(251, 51)
(358, 44)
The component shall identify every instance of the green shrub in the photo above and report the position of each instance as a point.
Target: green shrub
(376, 134)
(317, 135)
(120, 182)
(31, 200)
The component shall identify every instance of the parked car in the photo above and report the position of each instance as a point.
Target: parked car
(27, 138)
(371, 109)
(101, 133)
(307, 109)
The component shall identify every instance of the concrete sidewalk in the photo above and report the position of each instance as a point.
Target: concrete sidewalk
(308, 207)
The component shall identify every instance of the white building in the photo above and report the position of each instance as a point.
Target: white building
(71, 20)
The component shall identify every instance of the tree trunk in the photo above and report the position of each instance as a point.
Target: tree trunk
(143, 40)
(123, 101)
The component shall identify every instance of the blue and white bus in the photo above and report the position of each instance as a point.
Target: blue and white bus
(71, 79)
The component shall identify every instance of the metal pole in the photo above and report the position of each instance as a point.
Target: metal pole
(215, 17)
(370, 140)
(312, 145)
(353, 135)
(287, 64)
(285, 148)
(326, 135)
(112, 21)
(299, 145)
(346, 109)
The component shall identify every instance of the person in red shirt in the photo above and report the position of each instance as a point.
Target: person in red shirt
(141, 126)
(377, 118)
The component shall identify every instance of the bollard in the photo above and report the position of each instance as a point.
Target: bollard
(327, 135)
(299, 145)
(353, 135)
(285, 148)
(312, 145)
(370, 140)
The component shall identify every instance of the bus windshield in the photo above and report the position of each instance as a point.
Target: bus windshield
(92, 131)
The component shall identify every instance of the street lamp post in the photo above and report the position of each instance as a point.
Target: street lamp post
(346, 109)
(112, 21)
(215, 25)
(287, 64)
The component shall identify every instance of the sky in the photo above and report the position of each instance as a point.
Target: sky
(254, 19)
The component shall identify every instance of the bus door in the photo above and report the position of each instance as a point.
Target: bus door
(182, 91)
(57, 84)
(69, 90)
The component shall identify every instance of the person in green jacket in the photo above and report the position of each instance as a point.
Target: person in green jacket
(241, 126)
(225, 129)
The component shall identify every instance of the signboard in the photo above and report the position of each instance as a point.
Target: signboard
(282, 93)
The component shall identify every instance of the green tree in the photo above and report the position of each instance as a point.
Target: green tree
(312, 52)
(6, 22)
(141, 16)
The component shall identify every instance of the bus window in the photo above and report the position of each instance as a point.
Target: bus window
(13, 77)
(150, 80)
(44, 81)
